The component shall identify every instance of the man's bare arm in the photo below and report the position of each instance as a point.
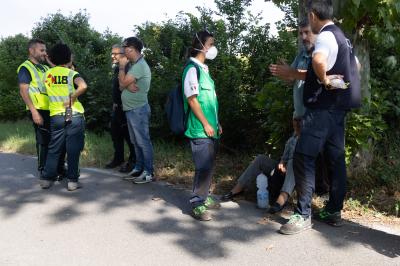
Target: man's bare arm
(319, 63)
(287, 73)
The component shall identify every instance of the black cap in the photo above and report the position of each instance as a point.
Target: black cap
(133, 42)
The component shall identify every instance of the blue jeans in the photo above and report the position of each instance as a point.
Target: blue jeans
(70, 137)
(323, 130)
(289, 183)
(204, 152)
(138, 126)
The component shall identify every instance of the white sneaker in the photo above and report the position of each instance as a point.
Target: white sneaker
(133, 174)
(45, 184)
(145, 177)
(71, 186)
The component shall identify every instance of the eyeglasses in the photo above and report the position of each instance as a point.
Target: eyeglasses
(116, 53)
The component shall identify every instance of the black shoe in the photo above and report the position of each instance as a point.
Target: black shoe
(60, 177)
(113, 164)
(133, 174)
(127, 167)
(229, 196)
(62, 173)
(276, 208)
(333, 219)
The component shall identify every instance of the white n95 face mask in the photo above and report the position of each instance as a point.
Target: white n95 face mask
(211, 53)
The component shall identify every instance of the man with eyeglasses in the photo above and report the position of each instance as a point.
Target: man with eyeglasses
(32, 91)
(119, 127)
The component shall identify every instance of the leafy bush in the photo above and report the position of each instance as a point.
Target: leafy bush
(13, 51)
(255, 108)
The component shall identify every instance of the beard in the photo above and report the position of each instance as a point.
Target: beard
(309, 46)
(40, 59)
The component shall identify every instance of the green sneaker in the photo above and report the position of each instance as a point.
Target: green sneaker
(334, 219)
(201, 213)
(295, 225)
(210, 203)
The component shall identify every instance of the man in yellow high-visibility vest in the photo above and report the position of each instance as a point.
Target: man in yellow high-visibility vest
(67, 124)
(31, 86)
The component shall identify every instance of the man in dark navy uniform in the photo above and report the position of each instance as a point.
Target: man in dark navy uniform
(324, 120)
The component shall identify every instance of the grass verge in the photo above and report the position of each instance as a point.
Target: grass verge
(173, 163)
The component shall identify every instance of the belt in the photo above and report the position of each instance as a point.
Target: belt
(74, 114)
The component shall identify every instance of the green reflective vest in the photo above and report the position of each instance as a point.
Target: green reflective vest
(37, 91)
(59, 83)
(207, 99)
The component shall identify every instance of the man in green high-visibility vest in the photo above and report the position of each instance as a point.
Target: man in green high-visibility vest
(31, 86)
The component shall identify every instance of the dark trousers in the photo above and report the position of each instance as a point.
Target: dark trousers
(70, 136)
(42, 135)
(204, 153)
(323, 130)
(119, 133)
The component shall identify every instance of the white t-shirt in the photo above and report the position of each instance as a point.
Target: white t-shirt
(191, 83)
(326, 44)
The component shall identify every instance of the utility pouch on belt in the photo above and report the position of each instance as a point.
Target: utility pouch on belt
(68, 111)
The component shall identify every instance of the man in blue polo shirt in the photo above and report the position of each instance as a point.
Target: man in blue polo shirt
(300, 64)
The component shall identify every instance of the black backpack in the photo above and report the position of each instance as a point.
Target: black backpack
(174, 106)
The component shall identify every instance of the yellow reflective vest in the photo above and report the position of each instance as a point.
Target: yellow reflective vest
(37, 91)
(59, 84)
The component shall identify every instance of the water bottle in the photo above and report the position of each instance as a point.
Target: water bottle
(262, 192)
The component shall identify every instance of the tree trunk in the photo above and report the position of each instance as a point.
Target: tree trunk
(301, 15)
(362, 51)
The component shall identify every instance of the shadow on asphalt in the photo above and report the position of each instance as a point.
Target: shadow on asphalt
(238, 223)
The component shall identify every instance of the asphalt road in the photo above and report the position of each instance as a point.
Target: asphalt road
(114, 222)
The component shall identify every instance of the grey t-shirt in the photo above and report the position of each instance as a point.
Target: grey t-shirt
(141, 72)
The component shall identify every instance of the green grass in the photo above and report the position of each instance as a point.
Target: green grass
(17, 137)
(173, 161)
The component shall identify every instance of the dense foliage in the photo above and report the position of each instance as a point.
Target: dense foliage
(256, 108)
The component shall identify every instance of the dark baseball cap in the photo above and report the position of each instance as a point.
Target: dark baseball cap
(133, 42)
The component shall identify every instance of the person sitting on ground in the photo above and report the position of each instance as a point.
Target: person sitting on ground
(283, 171)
